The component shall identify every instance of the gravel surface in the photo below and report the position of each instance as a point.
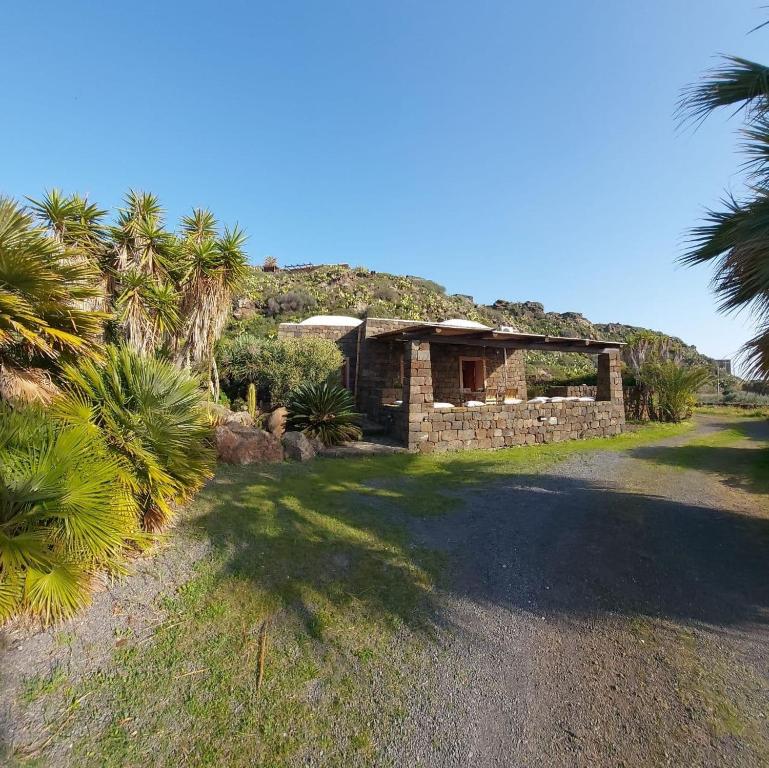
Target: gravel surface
(610, 612)
(126, 608)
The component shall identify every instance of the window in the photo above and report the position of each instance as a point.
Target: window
(472, 374)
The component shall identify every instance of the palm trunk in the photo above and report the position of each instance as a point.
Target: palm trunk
(214, 380)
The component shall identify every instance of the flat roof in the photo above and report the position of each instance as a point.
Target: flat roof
(440, 333)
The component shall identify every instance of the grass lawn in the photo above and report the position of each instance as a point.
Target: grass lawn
(318, 554)
(759, 412)
(739, 454)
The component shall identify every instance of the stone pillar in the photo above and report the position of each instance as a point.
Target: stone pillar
(417, 392)
(610, 376)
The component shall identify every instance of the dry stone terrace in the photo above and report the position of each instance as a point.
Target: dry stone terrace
(414, 377)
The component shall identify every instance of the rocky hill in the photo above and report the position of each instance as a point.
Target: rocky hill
(269, 298)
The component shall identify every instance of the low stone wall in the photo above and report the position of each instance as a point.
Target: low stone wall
(499, 426)
(574, 390)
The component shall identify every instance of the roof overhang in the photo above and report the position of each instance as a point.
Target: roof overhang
(442, 334)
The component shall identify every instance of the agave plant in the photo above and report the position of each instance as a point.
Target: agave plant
(63, 513)
(152, 418)
(325, 411)
(45, 289)
(673, 388)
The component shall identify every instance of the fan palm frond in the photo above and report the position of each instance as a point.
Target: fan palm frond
(44, 290)
(155, 425)
(737, 82)
(63, 512)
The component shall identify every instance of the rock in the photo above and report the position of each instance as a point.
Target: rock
(243, 418)
(222, 415)
(298, 446)
(238, 444)
(316, 443)
(276, 422)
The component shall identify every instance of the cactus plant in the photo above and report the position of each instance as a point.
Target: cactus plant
(251, 399)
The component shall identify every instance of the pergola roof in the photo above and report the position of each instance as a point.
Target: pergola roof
(488, 337)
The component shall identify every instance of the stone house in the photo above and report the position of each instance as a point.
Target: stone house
(458, 384)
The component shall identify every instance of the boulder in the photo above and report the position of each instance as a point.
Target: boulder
(298, 446)
(316, 443)
(243, 418)
(238, 444)
(221, 415)
(276, 422)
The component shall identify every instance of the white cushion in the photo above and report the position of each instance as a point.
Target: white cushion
(443, 405)
(587, 399)
(512, 401)
(474, 403)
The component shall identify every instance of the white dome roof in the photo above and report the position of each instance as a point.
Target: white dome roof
(458, 322)
(331, 320)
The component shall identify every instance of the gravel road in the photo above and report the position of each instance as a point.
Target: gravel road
(610, 612)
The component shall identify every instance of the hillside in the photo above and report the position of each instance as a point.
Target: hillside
(269, 298)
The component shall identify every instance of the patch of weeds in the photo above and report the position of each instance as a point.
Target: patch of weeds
(64, 639)
(42, 685)
(703, 688)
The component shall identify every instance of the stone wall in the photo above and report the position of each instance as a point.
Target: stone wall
(578, 390)
(425, 428)
(446, 380)
(500, 426)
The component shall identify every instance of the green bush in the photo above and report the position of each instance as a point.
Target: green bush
(325, 411)
(672, 388)
(153, 420)
(279, 366)
(63, 513)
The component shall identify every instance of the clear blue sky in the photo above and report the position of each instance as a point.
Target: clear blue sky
(505, 149)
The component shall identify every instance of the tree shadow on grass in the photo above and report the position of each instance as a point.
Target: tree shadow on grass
(572, 548)
(738, 453)
(368, 534)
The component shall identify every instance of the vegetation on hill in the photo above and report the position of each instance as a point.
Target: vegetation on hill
(270, 298)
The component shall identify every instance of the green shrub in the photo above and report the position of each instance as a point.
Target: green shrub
(152, 417)
(737, 397)
(291, 303)
(63, 513)
(673, 388)
(326, 411)
(279, 366)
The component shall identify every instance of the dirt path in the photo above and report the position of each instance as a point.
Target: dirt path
(610, 612)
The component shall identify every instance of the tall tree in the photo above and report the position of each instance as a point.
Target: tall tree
(735, 239)
(215, 265)
(144, 268)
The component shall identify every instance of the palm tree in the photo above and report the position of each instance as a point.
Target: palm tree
(150, 413)
(63, 513)
(45, 290)
(215, 264)
(143, 271)
(79, 226)
(735, 240)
